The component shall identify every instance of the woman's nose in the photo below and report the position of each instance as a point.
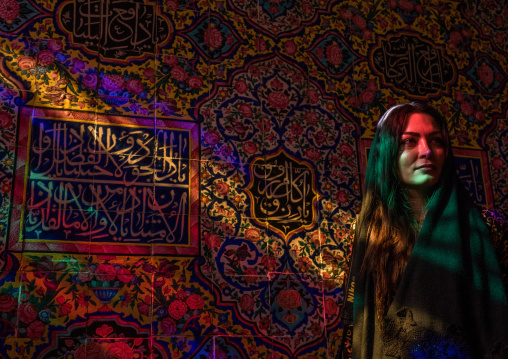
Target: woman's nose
(425, 149)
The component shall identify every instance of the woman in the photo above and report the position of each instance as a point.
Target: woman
(424, 281)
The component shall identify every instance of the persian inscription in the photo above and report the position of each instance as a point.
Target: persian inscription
(469, 170)
(412, 65)
(107, 184)
(114, 25)
(282, 191)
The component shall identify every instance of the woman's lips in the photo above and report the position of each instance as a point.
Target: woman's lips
(426, 167)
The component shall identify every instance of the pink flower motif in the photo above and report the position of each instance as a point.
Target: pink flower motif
(119, 350)
(307, 7)
(124, 275)
(216, 353)
(318, 238)
(290, 317)
(467, 32)
(168, 326)
(213, 37)
(77, 65)
(90, 350)
(372, 85)
(459, 96)
(245, 110)
(105, 272)
(311, 118)
(290, 47)
(486, 74)
(313, 154)
(113, 83)
(359, 22)
(263, 125)
(250, 275)
(250, 148)
(149, 73)
(331, 306)
(46, 57)
(341, 197)
(320, 137)
(212, 240)
(194, 82)
(346, 14)
(260, 45)
(479, 116)
(177, 309)
(222, 188)
(241, 87)
(246, 302)
(27, 313)
(497, 163)
(268, 262)
(466, 108)
(36, 330)
(278, 99)
(367, 96)
(179, 73)
(406, 5)
(135, 86)
(172, 5)
(313, 96)
(171, 60)
(346, 150)
(195, 301)
(455, 37)
(26, 62)
(90, 81)
(54, 45)
(289, 299)
(334, 54)
(5, 119)
(252, 234)
(9, 10)
(367, 34)
(211, 137)
(296, 129)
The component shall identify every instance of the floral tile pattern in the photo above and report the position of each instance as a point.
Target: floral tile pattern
(178, 178)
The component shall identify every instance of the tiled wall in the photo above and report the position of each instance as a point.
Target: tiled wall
(178, 177)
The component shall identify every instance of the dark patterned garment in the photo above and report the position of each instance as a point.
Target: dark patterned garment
(402, 336)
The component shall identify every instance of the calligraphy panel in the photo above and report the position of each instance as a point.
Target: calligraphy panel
(117, 26)
(283, 193)
(472, 169)
(109, 185)
(412, 65)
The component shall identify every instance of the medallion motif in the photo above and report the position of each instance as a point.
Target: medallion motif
(412, 65)
(282, 192)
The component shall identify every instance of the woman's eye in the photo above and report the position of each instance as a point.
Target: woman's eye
(408, 141)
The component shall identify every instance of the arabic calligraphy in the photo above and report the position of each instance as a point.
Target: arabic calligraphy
(283, 193)
(108, 183)
(412, 65)
(115, 25)
(470, 173)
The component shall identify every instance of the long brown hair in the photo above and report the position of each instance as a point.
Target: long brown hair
(389, 224)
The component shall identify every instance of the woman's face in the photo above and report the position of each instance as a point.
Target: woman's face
(421, 153)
